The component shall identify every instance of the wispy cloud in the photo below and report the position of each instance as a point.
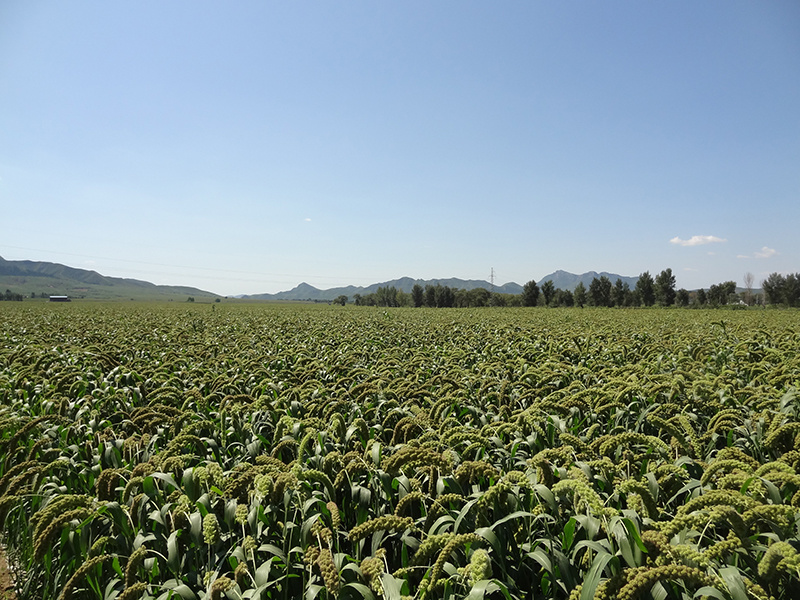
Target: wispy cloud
(697, 240)
(766, 252)
(308, 220)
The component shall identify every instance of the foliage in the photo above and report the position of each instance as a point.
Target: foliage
(600, 291)
(665, 288)
(780, 289)
(645, 289)
(530, 293)
(167, 451)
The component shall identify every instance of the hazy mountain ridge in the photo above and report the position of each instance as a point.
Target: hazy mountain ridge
(561, 279)
(568, 281)
(305, 291)
(26, 277)
(45, 278)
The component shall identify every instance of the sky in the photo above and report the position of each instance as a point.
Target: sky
(245, 147)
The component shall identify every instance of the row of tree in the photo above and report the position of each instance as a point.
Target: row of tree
(648, 291)
(10, 296)
(432, 296)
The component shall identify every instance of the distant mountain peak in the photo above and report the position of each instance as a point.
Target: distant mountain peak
(568, 281)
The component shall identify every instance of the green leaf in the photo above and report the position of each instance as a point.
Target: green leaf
(313, 590)
(111, 592)
(773, 491)
(746, 484)
(488, 586)
(391, 587)
(545, 494)
(515, 515)
(541, 556)
(593, 576)
(489, 535)
(196, 527)
(634, 533)
(659, 592)
(167, 478)
(462, 514)
(708, 591)
(181, 589)
(356, 590)
(117, 567)
(733, 579)
(375, 452)
(261, 576)
(173, 555)
(569, 534)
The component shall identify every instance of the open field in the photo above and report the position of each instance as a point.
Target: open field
(251, 451)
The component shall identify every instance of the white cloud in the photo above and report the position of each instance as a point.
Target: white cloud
(697, 240)
(742, 256)
(766, 252)
(308, 220)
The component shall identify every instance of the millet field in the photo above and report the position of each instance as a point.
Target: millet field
(201, 452)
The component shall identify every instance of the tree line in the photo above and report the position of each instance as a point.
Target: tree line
(10, 296)
(601, 292)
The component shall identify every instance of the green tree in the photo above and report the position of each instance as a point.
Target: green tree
(417, 295)
(478, 297)
(665, 288)
(497, 300)
(645, 289)
(701, 299)
(618, 294)
(600, 291)
(430, 296)
(682, 297)
(386, 296)
(404, 299)
(719, 293)
(792, 290)
(564, 298)
(341, 300)
(444, 297)
(530, 294)
(580, 294)
(774, 286)
(549, 292)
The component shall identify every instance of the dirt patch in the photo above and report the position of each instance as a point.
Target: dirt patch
(6, 578)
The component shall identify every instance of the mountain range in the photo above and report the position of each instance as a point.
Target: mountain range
(560, 279)
(45, 279)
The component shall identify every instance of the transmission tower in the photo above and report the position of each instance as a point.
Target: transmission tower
(491, 281)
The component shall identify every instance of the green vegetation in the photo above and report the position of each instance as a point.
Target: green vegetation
(289, 451)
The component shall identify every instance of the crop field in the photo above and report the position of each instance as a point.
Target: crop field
(315, 452)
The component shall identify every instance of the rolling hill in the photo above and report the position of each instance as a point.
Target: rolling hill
(44, 279)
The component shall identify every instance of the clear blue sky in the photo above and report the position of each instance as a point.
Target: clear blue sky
(244, 147)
